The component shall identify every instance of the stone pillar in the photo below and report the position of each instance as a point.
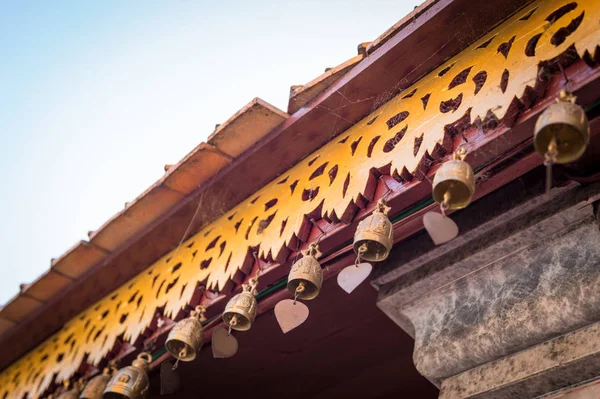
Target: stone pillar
(506, 308)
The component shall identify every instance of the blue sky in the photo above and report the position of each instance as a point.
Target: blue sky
(96, 96)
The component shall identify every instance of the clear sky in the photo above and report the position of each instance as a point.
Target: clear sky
(97, 96)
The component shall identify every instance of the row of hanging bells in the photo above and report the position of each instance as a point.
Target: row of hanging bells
(130, 382)
(561, 136)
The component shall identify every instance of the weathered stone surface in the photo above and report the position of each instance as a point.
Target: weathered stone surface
(561, 362)
(522, 276)
(520, 300)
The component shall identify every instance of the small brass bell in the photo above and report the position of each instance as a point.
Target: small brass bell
(131, 382)
(454, 182)
(186, 337)
(96, 386)
(374, 235)
(240, 311)
(562, 131)
(306, 276)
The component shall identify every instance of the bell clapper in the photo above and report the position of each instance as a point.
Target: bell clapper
(361, 250)
(181, 356)
(299, 290)
(232, 323)
(445, 202)
(549, 161)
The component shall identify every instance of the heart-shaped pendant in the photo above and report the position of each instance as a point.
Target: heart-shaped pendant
(223, 344)
(441, 228)
(169, 379)
(352, 276)
(290, 315)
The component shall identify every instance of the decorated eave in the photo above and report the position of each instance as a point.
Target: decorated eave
(381, 125)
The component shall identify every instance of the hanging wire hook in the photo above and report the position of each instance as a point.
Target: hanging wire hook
(445, 203)
(112, 366)
(259, 264)
(232, 323)
(388, 191)
(549, 161)
(567, 80)
(314, 222)
(460, 153)
(297, 251)
(149, 345)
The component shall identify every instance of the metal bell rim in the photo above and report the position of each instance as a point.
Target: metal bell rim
(191, 352)
(378, 256)
(542, 149)
(245, 326)
(306, 295)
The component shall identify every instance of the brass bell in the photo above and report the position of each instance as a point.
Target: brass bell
(454, 182)
(131, 382)
(186, 337)
(562, 131)
(240, 311)
(96, 386)
(374, 235)
(306, 276)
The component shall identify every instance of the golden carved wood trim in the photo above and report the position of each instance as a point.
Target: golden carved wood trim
(403, 136)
